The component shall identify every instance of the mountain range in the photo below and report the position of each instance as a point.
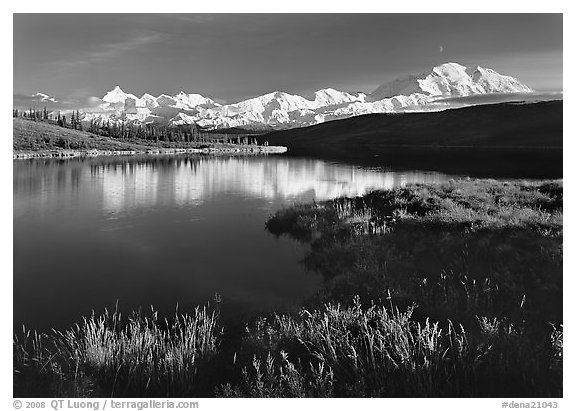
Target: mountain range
(422, 92)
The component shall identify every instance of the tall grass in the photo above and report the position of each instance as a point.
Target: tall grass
(382, 351)
(107, 356)
(461, 246)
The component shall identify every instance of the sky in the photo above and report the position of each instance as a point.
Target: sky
(231, 57)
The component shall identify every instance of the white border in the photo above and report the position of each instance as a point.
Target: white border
(323, 6)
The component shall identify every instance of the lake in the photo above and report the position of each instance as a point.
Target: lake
(160, 231)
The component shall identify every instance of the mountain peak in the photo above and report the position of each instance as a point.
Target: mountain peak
(191, 100)
(450, 70)
(451, 65)
(327, 90)
(451, 79)
(116, 90)
(116, 95)
(332, 97)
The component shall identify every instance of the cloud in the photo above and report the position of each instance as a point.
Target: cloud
(109, 51)
(23, 101)
(197, 18)
(494, 98)
(442, 103)
(45, 97)
(41, 100)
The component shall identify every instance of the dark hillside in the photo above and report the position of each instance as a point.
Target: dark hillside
(515, 125)
(508, 140)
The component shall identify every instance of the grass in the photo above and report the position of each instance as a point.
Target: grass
(451, 290)
(483, 242)
(383, 352)
(475, 203)
(106, 356)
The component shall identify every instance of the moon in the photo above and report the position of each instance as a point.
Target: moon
(441, 49)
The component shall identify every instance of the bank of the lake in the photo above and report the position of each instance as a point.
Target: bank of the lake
(451, 290)
(44, 140)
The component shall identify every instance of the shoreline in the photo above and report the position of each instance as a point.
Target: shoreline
(62, 153)
(44, 140)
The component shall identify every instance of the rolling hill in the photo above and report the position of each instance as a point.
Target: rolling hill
(496, 140)
(505, 125)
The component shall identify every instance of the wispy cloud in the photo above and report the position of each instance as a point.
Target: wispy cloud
(494, 98)
(442, 103)
(109, 51)
(36, 100)
(40, 100)
(45, 97)
(196, 18)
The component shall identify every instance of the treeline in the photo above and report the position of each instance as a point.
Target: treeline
(189, 133)
(73, 122)
(33, 114)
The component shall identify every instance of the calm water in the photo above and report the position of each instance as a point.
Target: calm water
(161, 231)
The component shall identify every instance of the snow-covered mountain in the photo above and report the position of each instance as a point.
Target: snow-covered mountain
(117, 96)
(451, 79)
(421, 92)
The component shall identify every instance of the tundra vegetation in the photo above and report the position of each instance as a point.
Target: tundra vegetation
(42, 130)
(451, 290)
